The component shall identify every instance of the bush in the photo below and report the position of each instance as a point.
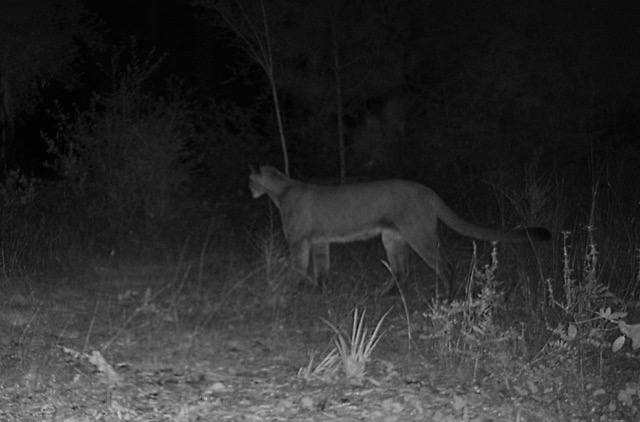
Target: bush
(126, 156)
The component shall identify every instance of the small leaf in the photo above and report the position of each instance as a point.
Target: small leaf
(104, 368)
(559, 329)
(599, 392)
(611, 316)
(618, 343)
(73, 353)
(617, 315)
(632, 331)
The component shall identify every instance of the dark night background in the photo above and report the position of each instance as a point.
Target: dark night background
(475, 99)
(140, 281)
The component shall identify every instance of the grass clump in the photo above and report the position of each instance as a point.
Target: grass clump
(352, 351)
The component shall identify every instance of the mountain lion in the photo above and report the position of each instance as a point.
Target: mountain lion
(403, 213)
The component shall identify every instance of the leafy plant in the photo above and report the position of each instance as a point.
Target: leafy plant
(18, 189)
(466, 325)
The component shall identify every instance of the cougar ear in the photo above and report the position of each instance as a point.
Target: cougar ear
(252, 169)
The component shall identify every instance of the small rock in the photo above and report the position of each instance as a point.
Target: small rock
(308, 403)
(217, 387)
(391, 405)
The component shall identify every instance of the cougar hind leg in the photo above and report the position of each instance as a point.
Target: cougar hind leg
(427, 245)
(398, 257)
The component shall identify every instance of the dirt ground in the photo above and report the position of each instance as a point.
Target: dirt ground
(150, 344)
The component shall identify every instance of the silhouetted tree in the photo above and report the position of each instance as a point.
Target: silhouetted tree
(335, 58)
(252, 22)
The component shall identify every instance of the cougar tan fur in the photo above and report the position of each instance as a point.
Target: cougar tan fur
(405, 214)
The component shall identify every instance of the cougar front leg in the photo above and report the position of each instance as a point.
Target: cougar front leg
(321, 264)
(299, 252)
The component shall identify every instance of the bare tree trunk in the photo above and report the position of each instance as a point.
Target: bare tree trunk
(339, 110)
(268, 59)
(6, 128)
(258, 46)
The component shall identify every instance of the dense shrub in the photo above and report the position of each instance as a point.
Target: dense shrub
(125, 158)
